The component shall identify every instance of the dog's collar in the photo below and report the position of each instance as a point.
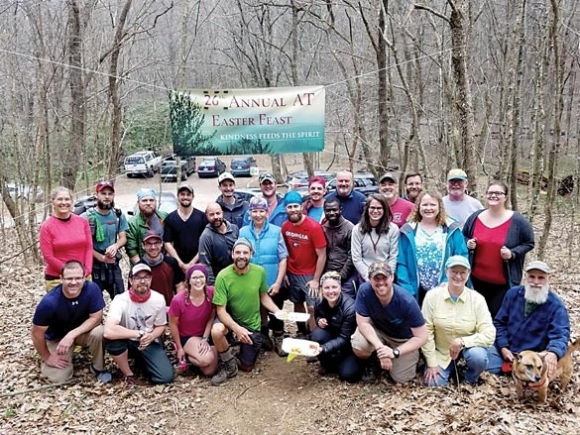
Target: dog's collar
(528, 384)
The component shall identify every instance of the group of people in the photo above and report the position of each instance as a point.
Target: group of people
(384, 279)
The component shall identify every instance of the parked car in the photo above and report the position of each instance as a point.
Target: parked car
(248, 193)
(242, 166)
(144, 163)
(300, 178)
(211, 167)
(22, 191)
(84, 203)
(364, 182)
(169, 168)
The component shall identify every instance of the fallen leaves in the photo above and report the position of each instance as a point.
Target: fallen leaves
(276, 398)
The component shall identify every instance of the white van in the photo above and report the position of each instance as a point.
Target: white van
(142, 163)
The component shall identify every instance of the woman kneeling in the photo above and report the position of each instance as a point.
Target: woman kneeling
(191, 316)
(459, 326)
(335, 323)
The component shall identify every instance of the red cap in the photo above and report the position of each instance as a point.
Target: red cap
(104, 184)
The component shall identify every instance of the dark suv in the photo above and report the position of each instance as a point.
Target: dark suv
(242, 166)
(364, 182)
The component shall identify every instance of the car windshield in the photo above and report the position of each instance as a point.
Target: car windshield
(208, 162)
(132, 160)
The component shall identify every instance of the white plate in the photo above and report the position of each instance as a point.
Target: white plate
(300, 347)
(292, 316)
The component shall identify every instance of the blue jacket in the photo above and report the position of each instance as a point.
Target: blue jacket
(545, 328)
(269, 248)
(278, 217)
(407, 275)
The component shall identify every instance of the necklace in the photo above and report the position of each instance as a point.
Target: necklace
(373, 241)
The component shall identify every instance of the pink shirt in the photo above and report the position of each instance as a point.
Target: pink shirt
(192, 319)
(400, 211)
(61, 241)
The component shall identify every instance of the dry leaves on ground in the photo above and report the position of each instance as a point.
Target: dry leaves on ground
(276, 398)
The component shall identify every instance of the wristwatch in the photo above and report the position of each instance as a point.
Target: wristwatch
(396, 353)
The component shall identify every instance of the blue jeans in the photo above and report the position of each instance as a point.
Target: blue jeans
(342, 362)
(495, 360)
(153, 358)
(476, 359)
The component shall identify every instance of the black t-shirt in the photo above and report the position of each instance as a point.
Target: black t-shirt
(185, 234)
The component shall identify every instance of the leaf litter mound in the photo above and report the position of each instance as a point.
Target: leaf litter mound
(276, 397)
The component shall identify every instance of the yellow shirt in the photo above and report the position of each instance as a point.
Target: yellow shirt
(446, 320)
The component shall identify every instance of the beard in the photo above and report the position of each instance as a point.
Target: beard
(241, 263)
(104, 206)
(536, 295)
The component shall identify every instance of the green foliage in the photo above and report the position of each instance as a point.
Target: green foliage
(248, 146)
(148, 127)
(186, 122)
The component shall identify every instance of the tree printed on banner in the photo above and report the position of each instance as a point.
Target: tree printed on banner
(186, 121)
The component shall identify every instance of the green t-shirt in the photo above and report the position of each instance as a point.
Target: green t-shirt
(240, 294)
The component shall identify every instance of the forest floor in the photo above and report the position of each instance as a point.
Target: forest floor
(277, 397)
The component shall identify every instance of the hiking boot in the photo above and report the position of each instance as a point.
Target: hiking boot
(130, 382)
(322, 371)
(267, 343)
(370, 373)
(228, 369)
(278, 339)
(105, 377)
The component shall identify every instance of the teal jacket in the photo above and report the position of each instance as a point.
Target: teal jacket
(407, 275)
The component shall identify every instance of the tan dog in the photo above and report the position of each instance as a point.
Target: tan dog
(529, 371)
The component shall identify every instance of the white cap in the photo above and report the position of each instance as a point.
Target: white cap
(226, 176)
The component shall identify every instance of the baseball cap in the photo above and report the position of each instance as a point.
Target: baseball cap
(144, 193)
(140, 267)
(456, 174)
(104, 184)
(292, 197)
(457, 260)
(226, 176)
(379, 268)
(152, 234)
(388, 176)
(538, 265)
(185, 186)
(267, 176)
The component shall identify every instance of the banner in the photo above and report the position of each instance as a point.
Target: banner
(247, 121)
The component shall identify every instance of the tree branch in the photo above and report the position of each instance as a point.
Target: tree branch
(433, 11)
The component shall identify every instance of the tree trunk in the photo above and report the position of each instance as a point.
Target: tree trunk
(72, 158)
(459, 22)
(114, 97)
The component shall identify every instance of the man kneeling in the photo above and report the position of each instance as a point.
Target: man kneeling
(68, 315)
(239, 290)
(390, 327)
(134, 325)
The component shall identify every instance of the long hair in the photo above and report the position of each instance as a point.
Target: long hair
(365, 222)
(415, 215)
(188, 285)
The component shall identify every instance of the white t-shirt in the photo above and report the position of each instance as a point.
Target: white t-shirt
(139, 316)
(461, 210)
